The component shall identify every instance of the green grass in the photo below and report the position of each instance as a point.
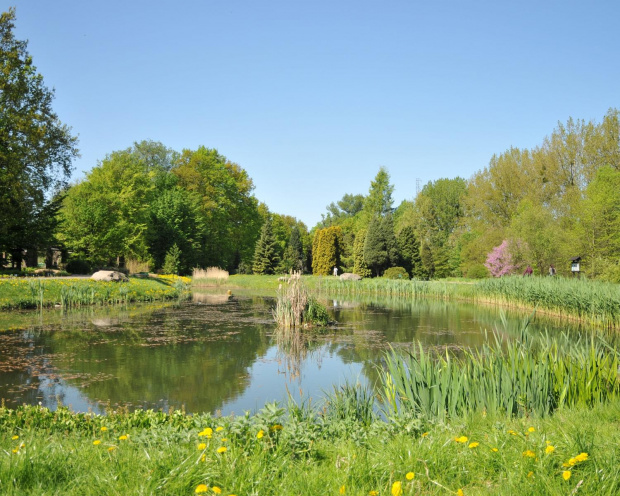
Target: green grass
(22, 293)
(312, 453)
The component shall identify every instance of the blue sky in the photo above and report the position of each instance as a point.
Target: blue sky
(311, 98)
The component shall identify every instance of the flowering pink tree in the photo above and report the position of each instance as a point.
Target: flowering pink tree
(499, 261)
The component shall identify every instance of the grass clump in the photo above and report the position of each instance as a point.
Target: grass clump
(295, 308)
(212, 276)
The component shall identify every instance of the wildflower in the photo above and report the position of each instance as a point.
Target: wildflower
(224, 439)
(104, 428)
(410, 476)
(207, 432)
(222, 449)
(494, 450)
(219, 428)
(512, 432)
(566, 474)
(276, 427)
(342, 490)
(459, 492)
(15, 437)
(260, 434)
(111, 448)
(96, 442)
(473, 445)
(216, 490)
(397, 489)
(531, 429)
(549, 449)
(201, 489)
(201, 446)
(424, 434)
(581, 457)
(530, 474)
(462, 439)
(373, 493)
(123, 437)
(529, 453)
(203, 458)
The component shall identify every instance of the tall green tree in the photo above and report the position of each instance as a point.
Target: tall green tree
(36, 149)
(266, 253)
(294, 253)
(379, 201)
(326, 250)
(409, 248)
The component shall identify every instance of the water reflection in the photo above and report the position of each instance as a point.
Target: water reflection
(215, 353)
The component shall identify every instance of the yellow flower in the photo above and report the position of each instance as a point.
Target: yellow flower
(410, 476)
(276, 427)
(424, 434)
(260, 434)
(97, 442)
(529, 453)
(104, 428)
(494, 449)
(208, 432)
(581, 457)
(530, 474)
(473, 445)
(111, 448)
(201, 488)
(462, 439)
(531, 429)
(566, 474)
(224, 439)
(222, 449)
(216, 490)
(459, 492)
(219, 428)
(201, 446)
(342, 490)
(203, 458)
(373, 493)
(123, 437)
(15, 437)
(512, 432)
(397, 489)
(549, 449)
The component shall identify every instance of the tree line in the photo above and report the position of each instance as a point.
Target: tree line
(175, 210)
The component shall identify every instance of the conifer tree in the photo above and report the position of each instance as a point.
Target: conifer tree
(266, 252)
(375, 250)
(326, 250)
(359, 264)
(294, 254)
(410, 252)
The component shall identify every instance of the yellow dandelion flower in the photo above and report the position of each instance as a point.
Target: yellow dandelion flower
(529, 453)
(462, 439)
(222, 449)
(203, 458)
(201, 489)
(373, 493)
(410, 476)
(219, 428)
(260, 434)
(16, 450)
(201, 446)
(342, 490)
(207, 432)
(530, 474)
(566, 475)
(531, 429)
(424, 434)
(111, 448)
(15, 437)
(473, 445)
(216, 490)
(459, 492)
(512, 432)
(494, 449)
(549, 449)
(97, 442)
(397, 489)
(124, 437)
(224, 439)
(276, 427)
(104, 428)
(581, 457)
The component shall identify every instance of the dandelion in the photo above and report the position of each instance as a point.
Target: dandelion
(96, 442)
(530, 474)
(410, 476)
(276, 427)
(459, 492)
(566, 475)
(549, 449)
(123, 437)
(512, 432)
(216, 490)
(222, 449)
(224, 439)
(581, 457)
(531, 429)
(260, 434)
(373, 493)
(219, 428)
(473, 445)
(342, 490)
(15, 437)
(207, 432)
(397, 489)
(462, 439)
(201, 489)
(201, 446)
(203, 458)
(529, 453)
(424, 434)
(495, 450)
(104, 429)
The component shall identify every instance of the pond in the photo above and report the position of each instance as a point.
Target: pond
(215, 354)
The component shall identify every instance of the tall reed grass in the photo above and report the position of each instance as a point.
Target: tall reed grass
(212, 276)
(518, 379)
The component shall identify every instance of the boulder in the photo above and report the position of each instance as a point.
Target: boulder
(108, 275)
(349, 276)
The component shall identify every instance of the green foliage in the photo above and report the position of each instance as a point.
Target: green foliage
(360, 267)
(409, 249)
(36, 148)
(478, 271)
(294, 254)
(316, 313)
(379, 200)
(396, 273)
(266, 252)
(172, 262)
(78, 266)
(326, 250)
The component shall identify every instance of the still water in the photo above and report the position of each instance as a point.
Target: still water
(215, 354)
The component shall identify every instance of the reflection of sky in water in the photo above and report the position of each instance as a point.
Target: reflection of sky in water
(319, 372)
(53, 392)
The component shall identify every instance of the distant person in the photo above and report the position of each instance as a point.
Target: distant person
(528, 271)
(335, 271)
(551, 270)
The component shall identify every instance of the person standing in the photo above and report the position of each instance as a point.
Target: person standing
(551, 270)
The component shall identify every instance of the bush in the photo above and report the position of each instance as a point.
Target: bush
(316, 313)
(478, 271)
(396, 273)
(78, 266)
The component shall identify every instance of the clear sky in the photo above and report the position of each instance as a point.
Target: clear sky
(312, 97)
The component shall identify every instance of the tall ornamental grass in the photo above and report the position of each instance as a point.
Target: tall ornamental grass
(518, 379)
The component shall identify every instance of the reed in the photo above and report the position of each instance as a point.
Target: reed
(212, 276)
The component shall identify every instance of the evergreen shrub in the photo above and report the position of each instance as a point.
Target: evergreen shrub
(396, 273)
